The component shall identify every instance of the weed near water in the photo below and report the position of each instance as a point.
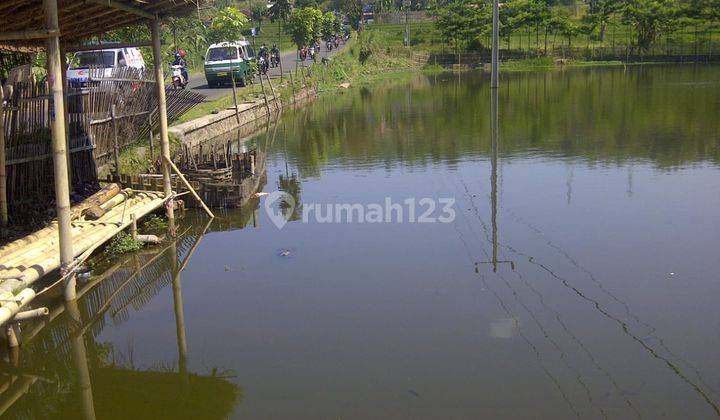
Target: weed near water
(122, 243)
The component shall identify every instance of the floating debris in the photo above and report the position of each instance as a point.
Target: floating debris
(261, 194)
(285, 252)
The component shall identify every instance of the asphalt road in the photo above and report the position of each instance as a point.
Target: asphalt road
(198, 83)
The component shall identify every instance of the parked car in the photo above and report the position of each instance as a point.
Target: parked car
(225, 57)
(106, 59)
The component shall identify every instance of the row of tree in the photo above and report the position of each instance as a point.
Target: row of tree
(303, 25)
(464, 22)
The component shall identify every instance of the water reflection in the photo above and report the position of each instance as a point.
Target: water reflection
(65, 370)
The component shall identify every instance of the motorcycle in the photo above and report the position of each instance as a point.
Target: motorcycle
(312, 53)
(263, 65)
(178, 79)
(329, 45)
(274, 59)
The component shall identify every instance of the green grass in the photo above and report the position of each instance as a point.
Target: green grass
(271, 33)
(424, 36)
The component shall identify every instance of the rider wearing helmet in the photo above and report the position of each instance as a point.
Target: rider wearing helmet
(275, 52)
(180, 61)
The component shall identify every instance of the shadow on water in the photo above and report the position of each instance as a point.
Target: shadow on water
(63, 370)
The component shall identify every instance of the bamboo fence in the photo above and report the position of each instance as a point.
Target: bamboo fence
(114, 110)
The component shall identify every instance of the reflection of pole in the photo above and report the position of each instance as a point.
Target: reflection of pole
(179, 317)
(493, 181)
(80, 360)
(495, 42)
(493, 175)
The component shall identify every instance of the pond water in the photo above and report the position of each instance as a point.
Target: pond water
(577, 278)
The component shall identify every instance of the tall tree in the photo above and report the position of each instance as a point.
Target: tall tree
(304, 25)
(279, 11)
(650, 19)
(227, 25)
(600, 15)
(462, 21)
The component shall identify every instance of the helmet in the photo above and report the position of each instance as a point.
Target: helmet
(177, 55)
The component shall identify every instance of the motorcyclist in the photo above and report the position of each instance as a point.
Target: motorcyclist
(275, 52)
(180, 61)
(263, 53)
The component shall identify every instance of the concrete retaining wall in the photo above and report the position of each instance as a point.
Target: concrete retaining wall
(204, 128)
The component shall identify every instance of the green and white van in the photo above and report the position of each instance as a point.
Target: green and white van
(225, 57)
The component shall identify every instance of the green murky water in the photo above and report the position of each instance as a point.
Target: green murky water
(578, 277)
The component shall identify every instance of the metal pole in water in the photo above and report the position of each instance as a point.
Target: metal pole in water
(495, 43)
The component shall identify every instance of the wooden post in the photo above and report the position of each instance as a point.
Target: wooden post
(292, 87)
(272, 89)
(190, 188)
(262, 86)
(150, 133)
(281, 69)
(162, 119)
(237, 110)
(116, 145)
(60, 153)
(133, 226)
(3, 174)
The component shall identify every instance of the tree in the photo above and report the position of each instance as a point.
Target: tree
(353, 11)
(462, 21)
(258, 11)
(330, 25)
(279, 11)
(227, 25)
(304, 25)
(649, 19)
(601, 14)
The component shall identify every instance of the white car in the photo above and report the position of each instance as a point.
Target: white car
(106, 58)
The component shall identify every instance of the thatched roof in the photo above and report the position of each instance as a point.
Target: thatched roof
(81, 19)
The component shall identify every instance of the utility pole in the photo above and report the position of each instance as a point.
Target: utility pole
(407, 4)
(495, 44)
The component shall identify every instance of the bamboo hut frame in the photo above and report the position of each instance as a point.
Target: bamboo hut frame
(34, 24)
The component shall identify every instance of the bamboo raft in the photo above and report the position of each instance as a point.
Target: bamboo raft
(26, 260)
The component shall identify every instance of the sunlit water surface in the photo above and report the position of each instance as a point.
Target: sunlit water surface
(578, 279)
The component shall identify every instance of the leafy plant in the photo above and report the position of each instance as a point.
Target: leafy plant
(122, 243)
(304, 25)
(227, 25)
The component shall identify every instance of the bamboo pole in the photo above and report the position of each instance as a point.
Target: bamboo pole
(162, 119)
(60, 155)
(34, 269)
(3, 173)
(262, 86)
(116, 144)
(79, 353)
(190, 188)
(237, 110)
(272, 89)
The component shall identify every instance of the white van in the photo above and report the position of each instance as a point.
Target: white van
(106, 58)
(225, 57)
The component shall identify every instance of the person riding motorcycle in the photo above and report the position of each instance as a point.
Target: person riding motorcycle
(275, 52)
(263, 53)
(180, 61)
